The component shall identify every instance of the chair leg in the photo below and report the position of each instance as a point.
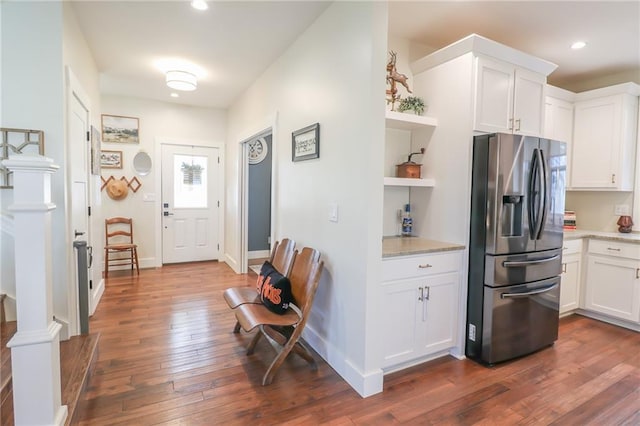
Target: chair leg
(135, 253)
(277, 362)
(254, 342)
(236, 329)
(106, 263)
(302, 350)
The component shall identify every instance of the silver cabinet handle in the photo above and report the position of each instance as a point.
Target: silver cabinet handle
(613, 178)
(421, 297)
(428, 292)
(511, 124)
(425, 266)
(613, 249)
(637, 272)
(564, 268)
(517, 125)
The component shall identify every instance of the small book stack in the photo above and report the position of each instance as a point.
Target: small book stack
(569, 220)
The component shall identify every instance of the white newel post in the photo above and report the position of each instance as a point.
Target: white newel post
(35, 348)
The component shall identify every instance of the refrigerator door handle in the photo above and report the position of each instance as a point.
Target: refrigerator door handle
(544, 177)
(531, 202)
(520, 263)
(528, 293)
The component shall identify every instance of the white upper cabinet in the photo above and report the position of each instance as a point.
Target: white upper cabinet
(558, 125)
(604, 138)
(508, 98)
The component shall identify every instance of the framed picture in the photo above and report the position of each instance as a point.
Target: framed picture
(305, 143)
(119, 129)
(95, 151)
(111, 159)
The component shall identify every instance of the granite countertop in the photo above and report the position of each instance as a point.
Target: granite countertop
(406, 246)
(632, 237)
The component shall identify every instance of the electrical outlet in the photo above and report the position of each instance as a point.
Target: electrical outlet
(621, 210)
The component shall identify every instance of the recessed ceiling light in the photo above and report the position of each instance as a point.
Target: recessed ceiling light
(578, 45)
(174, 95)
(199, 4)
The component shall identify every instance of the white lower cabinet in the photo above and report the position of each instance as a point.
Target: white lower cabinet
(570, 277)
(613, 280)
(420, 305)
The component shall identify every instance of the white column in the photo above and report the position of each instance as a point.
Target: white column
(35, 348)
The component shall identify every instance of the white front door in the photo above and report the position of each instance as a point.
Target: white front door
(190, 203)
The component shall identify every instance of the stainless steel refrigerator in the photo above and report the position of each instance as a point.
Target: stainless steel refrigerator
(515, 247)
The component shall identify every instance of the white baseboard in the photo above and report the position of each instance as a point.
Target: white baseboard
(605, 318)
(64, 331)
(96, 295)
(234, 264)
(10, 307)
(259, 254)
(365, 383)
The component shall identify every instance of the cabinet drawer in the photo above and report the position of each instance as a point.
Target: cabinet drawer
(421, 265)
(572, 246)
(613, 248)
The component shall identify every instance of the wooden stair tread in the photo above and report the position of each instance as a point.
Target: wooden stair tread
(77, 357)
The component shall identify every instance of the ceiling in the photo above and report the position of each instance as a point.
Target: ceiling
(233, 42)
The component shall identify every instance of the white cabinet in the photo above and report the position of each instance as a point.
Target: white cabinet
(613, 279)
(558, 125)
(420, 305)
(570, 277)
(508, 99)
(604, 143)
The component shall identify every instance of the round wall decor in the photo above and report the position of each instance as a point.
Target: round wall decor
(258, 150)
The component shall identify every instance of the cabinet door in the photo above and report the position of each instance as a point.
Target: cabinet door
(439, 313)
(613, 287)
(570, 283)
(528, 103)
(596, 143)
(400, 310)
(558, 125)
(494, 96)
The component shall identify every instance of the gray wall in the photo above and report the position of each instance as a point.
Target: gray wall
(260, 202)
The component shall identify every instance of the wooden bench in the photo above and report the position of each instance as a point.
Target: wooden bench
(285, 331)
(282, 257)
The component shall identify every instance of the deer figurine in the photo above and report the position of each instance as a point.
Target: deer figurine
(394, 77)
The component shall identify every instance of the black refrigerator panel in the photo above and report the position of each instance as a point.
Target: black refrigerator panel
(554, 155)
(510, 269)
(508, 183)
(519, 320)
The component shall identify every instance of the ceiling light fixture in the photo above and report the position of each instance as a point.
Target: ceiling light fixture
(174, 95)
(578, 45)
(199, 5)
(181, 80)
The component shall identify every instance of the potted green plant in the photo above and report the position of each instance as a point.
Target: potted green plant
(412, 103)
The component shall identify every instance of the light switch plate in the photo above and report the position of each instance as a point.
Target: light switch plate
(148, 196)
(621, 210)
(333, 212)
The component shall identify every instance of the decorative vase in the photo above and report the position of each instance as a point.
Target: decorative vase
(624, 224)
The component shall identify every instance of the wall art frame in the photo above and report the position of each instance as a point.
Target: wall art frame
(111, 159)
(120, 129)
(305, 143)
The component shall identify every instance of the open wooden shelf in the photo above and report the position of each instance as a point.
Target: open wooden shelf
(394, 181)
(404, 121)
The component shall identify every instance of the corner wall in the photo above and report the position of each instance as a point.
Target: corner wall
(334, 74)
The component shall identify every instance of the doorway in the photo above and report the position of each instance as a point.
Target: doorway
(190, 203)
(257, 198)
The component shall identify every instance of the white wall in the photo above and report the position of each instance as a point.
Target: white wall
(33, 98)
(333, 74)
(166, 120)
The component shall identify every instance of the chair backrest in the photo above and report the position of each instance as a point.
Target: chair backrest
(121, 227)
(283, 255)
(304, 278)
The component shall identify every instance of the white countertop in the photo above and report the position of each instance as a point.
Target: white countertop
(632, 237)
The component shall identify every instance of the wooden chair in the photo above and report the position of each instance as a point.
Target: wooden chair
(282, 256)
(284, 331)
(118, 240)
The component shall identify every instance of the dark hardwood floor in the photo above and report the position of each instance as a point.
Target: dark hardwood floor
(167, 355)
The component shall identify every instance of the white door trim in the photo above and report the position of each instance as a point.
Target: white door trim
(268, 126)
(157, 175)
(70, 325)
